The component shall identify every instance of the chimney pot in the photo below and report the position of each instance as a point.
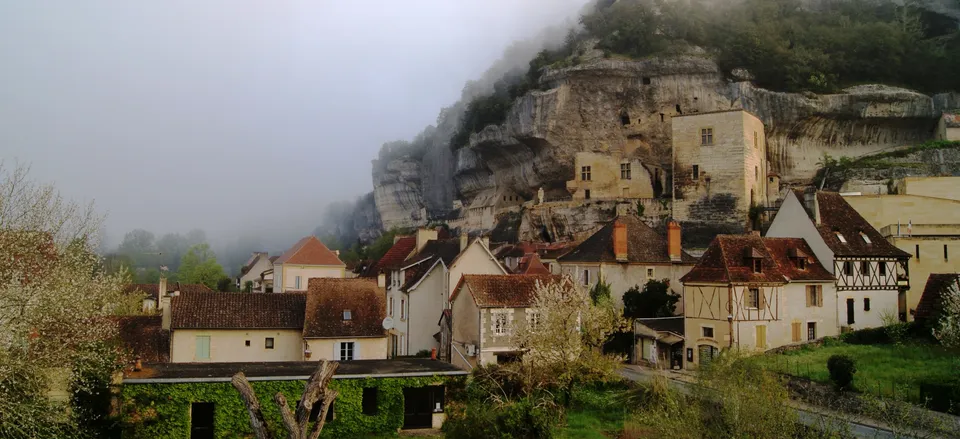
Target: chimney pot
(620, 241)
(673, 242)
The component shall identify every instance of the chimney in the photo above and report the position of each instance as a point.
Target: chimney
(464, 241)
(424, 236)
(337, 252)
(620, 241)
(165, 310)
(673, 241)
(382, 280)
(161, 291)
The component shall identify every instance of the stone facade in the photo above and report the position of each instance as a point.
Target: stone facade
(719, 172)
(949, 127)
(606, 176)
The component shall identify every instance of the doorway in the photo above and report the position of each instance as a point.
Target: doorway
(393, 346)
(850, 308)
(418, 407)
(201, 420)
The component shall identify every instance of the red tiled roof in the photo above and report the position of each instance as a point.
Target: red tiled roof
(393, 258)
(238, 310)
(503, 290)
(785, 251)
(327, 299)
(729, 260)
(309, 251)
(152, 290)
(145, 338)
(644, 245)
(931, 302)
(530, 264)
(838, 216)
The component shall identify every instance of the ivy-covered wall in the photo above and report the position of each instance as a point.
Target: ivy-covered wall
(163, 410)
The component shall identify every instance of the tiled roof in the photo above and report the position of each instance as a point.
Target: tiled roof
(729, 260)
(839, 217)
(238, 311)
(201, 372)
(937, 286)
(152, 289)
(951, 119)
(442, 249)
(644, 245)
(393, 258)
(145, 338)
(327, 299)
(546, 250)
(668, 324)
(530, 264)
(503, 290)
(309, 251)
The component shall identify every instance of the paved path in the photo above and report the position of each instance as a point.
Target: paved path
(810, 416)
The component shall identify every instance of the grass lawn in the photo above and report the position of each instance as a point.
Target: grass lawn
(891, 370)
(595, 414)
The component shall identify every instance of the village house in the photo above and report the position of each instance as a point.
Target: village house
(626, 252)
(419, 287)
(870, 274)
(344, 320)
(485, 310)
(252, 271)
(922, 218)
(375, 397)
(753, 294)
(152, 293)
(658, 342)
(720, 172)
(611, 176)
(308, 258)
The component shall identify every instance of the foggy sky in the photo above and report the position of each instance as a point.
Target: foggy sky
(231, 115)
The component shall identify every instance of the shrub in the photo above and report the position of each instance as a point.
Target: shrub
(523, 418)
(866, 336)
(841, 369)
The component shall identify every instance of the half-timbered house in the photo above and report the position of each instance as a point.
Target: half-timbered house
(871, 275)
(753, 294)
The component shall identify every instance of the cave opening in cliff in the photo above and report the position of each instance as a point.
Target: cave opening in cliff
(661, 117)
(624, 118)
(679, 111)
(646, 80)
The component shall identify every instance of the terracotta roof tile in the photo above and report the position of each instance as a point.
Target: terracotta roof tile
(508, 291)
(238, 311)
(393, 258)
(327, 300)
(145, 338)
(530, 264)
(644, 244)
(309, 251)
(931, 302)
(729, 260)
(786, 251)
(152, 290)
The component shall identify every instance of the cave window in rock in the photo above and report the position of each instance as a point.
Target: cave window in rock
(625, 118)
(586, 194)
(661, 117)
(696, 172)
(625, 171)
(585, 173)
(646, 80)
(679, 111)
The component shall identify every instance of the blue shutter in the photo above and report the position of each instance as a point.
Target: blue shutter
(203, 347)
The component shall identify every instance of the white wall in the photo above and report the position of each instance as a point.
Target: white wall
(427, 302)
(881, 303)
(290, 273)
(622, 277)
(792, 221)
(474, 260)
(229, 345)
(372, 348)
(263, 263)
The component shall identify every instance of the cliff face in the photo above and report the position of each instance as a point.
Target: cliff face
(607, 106)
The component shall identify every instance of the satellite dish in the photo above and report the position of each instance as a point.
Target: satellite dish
(388, 323)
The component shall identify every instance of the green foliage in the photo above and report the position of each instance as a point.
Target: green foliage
(841, 369)
(523, 418)
(655, 300)
(640, 208)
(628, 27)
(600, 292)
(225, 285)
(199, 266)
(162, 410)
(248, 286)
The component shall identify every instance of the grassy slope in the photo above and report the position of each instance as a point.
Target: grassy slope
(904, 367)
(595, 414)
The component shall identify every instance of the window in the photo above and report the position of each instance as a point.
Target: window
(201, 419)
(866, 304)
(585, 173)
(865, 268)
(391, 306)
(586, 277)
(625, 119)
(841, 238)
(403, 305)
(268, 343)
(297, 281)
(865, 238)
(696, 172)
(811, 331)
(586, 194)
(246, 343)
(346, 351)
(883, 268)
(534, 320)
(369, 401)
(436, 397)
(814, 295)
(756, 140)
(625, 171)
(500, 322)
(945, 256)
(347, 315)
(706, 136)
(650, 273)
(757, 265)
(753, 298)
(756, 173)
(203, 347)
(850, 305)
(917, 250)
(847, 268)
(707, 332)
(646, 80)
(801, 263)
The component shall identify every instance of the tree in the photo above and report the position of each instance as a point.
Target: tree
(248, 286)
(296, 423)
(139, 246)
(55, 304)
(225, 284)
(655, 300)
(199, 266)
(562, 340)
(600, 292)
(947, 329)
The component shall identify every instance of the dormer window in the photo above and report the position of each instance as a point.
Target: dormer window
(347, 315)
(841, 238)
(757, 265)
(753, 259)
(865, 238)
(801, 263)
(798, 257)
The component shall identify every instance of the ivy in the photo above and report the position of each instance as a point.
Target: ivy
(163, 410)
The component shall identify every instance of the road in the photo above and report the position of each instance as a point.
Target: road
(807, 417)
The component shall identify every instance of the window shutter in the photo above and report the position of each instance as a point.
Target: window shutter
(796, 331)
(336, 351)
(763, 299)
(356, 350)
(820, 296)
(808, 298)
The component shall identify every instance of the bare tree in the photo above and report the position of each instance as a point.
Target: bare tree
(296, 423)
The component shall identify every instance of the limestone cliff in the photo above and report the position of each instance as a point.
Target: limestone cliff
(606, 105)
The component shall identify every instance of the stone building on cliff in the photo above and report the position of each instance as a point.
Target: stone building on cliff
(606, 176)
(719, 173)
